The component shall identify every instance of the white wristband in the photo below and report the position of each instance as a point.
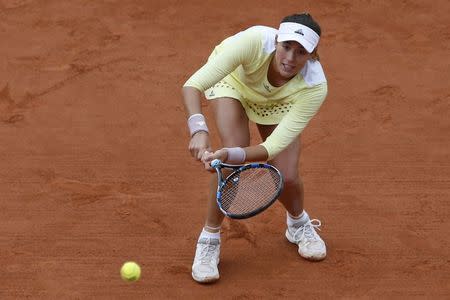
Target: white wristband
(236, 155)
(197, 123)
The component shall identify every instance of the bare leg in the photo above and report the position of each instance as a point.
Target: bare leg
(287, 162)
(232, 124)
(300, 231)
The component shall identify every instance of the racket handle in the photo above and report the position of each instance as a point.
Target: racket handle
(215, 163)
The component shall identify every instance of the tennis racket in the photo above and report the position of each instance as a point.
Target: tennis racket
(248, 190)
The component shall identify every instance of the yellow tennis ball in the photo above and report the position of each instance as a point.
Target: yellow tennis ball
(130, 271)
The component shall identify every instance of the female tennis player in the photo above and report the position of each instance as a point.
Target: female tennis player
(274, 79)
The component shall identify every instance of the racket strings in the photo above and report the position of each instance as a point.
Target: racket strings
(250, 190)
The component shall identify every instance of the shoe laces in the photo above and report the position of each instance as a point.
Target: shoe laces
(207, 250)
(308, 231)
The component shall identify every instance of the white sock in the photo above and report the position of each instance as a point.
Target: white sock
(209, 235)
(297, 220)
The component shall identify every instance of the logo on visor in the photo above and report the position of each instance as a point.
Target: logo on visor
(299, 32)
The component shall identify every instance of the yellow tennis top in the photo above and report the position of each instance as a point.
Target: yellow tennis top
(242, 61)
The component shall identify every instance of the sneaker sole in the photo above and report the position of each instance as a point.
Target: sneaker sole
(205, 280)
(311, 258)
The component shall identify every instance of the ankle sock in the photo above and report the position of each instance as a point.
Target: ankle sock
(297, 220)
(209, 235)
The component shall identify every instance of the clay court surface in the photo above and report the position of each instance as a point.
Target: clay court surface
(94, 167)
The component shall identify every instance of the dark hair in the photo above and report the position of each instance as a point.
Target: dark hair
(304, 19)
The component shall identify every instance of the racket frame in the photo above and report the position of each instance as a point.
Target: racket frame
(221, 182)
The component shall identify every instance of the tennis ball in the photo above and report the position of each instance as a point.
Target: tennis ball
(130, 271)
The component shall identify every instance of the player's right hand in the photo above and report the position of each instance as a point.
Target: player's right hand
(199, 144)
(208, 157)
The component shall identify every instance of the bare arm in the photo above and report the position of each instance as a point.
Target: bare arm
(199, 142)
(256, 153)
(192, 100)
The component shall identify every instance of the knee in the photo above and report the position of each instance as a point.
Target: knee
(289, 172)
(291, 179)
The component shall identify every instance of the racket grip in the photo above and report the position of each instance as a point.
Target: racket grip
(215, 163)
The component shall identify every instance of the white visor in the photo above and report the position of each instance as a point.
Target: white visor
(290, 31)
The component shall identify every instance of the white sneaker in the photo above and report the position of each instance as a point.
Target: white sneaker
(204, 268)
(310, 245)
